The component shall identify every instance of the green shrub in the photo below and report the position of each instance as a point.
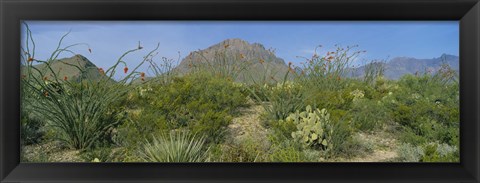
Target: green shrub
(435, 152)
(286, 154)
(368, 115)
(428, 109)
(408, 136)
(409, 153)
(279, 100)
(178, 146)
(198, 102)
(428, 152)
(31, 129)
(211, 124)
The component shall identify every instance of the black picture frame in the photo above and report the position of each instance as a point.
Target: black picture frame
(14, 11)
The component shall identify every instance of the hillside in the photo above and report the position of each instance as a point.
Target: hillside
(71, 72)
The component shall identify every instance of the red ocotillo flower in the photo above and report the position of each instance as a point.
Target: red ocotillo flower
(142, 76)
(65, 78)
(101, 71)
(30, 59)
(125, 70)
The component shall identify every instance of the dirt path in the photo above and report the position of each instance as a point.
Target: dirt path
(248, 125)
(382, 145)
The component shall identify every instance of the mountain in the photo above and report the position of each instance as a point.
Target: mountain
(254, 60)
(399, 66)
(70, 72)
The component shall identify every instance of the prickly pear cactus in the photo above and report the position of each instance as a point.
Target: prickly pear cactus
(314, 128)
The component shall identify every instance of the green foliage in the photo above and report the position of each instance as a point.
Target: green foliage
(435, 152)
(31, 129)
(248, 150)
(409, 153)
(198, 102)
(283, 99)
(278, 100)
(368, 115)
(286, 154)
(428, 152)
(177, 146)
(428, 109)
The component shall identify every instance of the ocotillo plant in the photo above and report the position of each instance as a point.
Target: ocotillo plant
(77, 112)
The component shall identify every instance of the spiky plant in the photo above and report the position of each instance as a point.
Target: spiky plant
(177, 146)
(77, 112)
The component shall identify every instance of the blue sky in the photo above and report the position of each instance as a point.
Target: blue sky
(382, 40)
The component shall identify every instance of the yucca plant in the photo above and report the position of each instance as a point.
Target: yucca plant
(77, 111)
(177, 146)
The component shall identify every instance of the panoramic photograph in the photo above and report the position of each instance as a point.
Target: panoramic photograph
(239, 91)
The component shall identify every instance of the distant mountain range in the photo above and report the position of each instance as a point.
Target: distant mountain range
(399, 66)
(259, 61)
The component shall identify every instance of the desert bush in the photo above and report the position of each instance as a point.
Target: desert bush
(247, 150)
(197, 101)
(428, 152)
(428, 108)
(283, 99)
(286, 154)
(278, 100)
(435, 152)
(177, 146)
(31, 129)
(368, 115)
(409, 153)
